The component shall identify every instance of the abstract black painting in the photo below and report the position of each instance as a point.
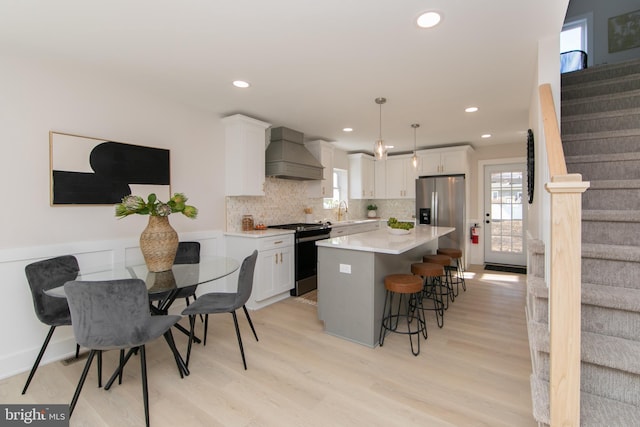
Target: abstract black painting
(92, 171)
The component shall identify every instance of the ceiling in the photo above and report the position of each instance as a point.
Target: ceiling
(314, 66)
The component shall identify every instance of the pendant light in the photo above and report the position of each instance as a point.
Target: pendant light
(414, 158)
(379, 149)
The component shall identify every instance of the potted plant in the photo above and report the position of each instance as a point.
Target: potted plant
(159, 241)
(372, 211)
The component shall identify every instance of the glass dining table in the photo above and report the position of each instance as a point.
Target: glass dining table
(165, 284)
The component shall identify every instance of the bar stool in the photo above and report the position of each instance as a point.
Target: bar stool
(444, 261)
(403, 285)
(432, 288)
(456, 255)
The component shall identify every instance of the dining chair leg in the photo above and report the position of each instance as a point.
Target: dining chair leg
(118, 371)
(206, 326)
(83, 377)
(99, 368)
(122, 365)
(235, 321)
(246, 312)
(192, 324)
(145, 389)
(38, 359)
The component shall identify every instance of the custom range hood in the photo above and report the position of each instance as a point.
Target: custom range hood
(287, 157)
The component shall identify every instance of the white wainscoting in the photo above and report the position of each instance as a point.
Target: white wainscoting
(22, 334)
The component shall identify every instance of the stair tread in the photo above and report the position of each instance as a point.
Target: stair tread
(611, 252)
(596, 349)
(600, 115)
(610, 184)
(570, 87)
(601, 135)
(595, 411)
(616, 297)
(598, 158)
(598, 98)
(611, 215)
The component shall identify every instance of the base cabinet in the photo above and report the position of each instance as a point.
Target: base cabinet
(274, 274)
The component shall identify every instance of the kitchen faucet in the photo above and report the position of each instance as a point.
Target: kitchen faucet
(340, 210)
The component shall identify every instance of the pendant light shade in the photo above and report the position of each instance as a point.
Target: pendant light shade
(379, 148)
(414, 158)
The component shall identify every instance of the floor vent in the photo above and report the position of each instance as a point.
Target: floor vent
(508, 268)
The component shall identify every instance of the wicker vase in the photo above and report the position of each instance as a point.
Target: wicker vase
(159, 244)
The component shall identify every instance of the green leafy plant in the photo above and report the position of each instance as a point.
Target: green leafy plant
(136, 205)
(372, 208)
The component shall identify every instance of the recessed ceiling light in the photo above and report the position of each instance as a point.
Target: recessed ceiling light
(241, 84)
(428, 19)
(390, 146)
(471, 109)
(486, 135)
(347, 130)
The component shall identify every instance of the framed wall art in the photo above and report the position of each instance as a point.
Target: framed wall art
(624, 31)
(92, 171)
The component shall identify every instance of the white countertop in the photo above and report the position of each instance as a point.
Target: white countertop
(382, 241)
(337, 224)
(260, 233)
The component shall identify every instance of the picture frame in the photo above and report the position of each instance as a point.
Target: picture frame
(92, 171)
(624, 31)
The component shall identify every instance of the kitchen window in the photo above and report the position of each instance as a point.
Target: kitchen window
(340, 190)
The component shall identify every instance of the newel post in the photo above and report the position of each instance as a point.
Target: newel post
(565, 298)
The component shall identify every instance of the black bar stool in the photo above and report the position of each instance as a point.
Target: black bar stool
(410, 286)
(431, 287)
(456, 255)
(444, 261)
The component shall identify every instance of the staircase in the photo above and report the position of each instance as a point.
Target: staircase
(600, 124)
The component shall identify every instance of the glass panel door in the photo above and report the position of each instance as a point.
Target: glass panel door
(505, 215)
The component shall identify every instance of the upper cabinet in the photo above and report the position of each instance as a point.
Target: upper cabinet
(444, 161)
(245, 143)
(400, 178)
(361, 176)
(323, 152)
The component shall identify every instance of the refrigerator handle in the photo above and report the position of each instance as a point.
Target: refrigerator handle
(435, 208)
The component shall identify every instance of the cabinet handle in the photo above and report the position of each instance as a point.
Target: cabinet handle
(280, 257)
(278, 242)
(276, 258)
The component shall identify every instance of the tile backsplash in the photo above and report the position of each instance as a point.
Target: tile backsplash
(285, 200)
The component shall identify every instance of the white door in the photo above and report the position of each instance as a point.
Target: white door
(504, 214)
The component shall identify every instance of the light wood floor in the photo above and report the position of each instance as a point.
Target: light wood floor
(473, 372)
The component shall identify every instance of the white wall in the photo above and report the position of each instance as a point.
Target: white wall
(40, 96)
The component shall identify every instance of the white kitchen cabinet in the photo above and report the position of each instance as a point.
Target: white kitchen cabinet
(323, 152)
(401, 176)
(274, 273)
(380, 179)
(361, 176)
(245, 143)
(444, 161)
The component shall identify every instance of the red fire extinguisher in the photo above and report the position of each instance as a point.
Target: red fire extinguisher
(475, 234)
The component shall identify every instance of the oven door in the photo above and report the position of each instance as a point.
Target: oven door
(306, 264)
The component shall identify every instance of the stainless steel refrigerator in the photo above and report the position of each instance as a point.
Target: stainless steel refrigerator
(440, 201)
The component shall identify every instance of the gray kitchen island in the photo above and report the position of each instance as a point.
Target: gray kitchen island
(351, 271)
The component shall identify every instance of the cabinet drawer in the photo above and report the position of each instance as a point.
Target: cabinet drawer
(266, 243)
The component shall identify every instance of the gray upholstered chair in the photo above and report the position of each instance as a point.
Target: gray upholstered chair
(188, 253)
(216, 302)
(42, 276)
(115, 314)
